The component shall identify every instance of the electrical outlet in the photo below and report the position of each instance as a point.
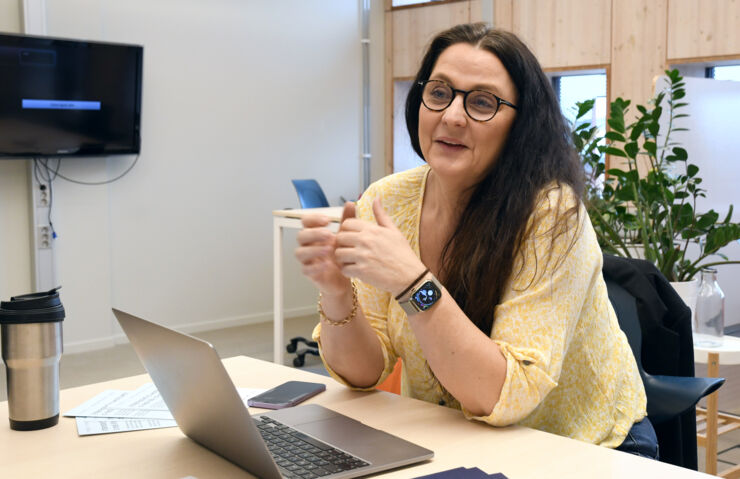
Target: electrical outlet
(44, 236)
(42, 197)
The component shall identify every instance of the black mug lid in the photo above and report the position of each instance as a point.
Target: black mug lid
(44, 307)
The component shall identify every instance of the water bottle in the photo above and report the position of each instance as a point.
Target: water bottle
(709, 322)
(31, 330)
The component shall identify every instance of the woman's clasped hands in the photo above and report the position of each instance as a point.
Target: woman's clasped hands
(375, 253)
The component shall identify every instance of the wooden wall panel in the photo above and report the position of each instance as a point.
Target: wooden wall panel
(701, 28)
(638, 48)
(413, 28)
(565, 33)
(481, 11)
(502, 14)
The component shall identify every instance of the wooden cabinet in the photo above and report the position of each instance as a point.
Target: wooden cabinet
(564, 34)
(413, 28)
(699, 30)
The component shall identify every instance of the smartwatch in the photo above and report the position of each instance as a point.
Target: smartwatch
(422, 297)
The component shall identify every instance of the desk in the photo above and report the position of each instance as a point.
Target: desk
(710, 423)
(518, 452)
(288, 219)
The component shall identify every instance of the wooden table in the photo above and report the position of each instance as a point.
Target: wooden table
(288, 219)
(710, 423)
(518, 452)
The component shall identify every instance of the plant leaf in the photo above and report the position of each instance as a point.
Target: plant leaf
(721, 236)
(654, 128)
(614, 136)
(609, 150)
(729, 215)
(617, 124)
(584, 107)
(680, 153)
(650, 147)
(707, 219)
(631, 149)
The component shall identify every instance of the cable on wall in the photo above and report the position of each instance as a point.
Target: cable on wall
(45, 164)
(45, 174)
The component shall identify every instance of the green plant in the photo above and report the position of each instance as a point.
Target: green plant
(650, 202)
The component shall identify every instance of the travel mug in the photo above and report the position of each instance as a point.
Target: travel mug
(31, 328)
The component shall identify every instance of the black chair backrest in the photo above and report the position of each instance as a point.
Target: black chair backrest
(667, 396)
(625, 306)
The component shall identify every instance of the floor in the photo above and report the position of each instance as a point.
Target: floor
(121, 361)
(256, 341)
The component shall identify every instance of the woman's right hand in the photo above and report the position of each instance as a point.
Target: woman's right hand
(315, 251)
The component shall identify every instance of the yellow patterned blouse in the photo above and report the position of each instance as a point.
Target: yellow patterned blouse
(569, 368)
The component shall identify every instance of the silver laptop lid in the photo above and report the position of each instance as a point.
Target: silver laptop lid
(200, 394)
(196, 387)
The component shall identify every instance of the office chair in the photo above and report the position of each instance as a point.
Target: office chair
(667, 396)
(312, 348)
(310, 194)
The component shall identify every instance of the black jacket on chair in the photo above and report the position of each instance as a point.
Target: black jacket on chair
(667, 347)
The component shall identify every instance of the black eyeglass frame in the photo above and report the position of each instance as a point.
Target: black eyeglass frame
(499, 101)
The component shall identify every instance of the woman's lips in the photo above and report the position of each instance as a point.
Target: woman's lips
(450, 144)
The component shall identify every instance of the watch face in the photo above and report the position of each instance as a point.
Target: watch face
(425, 297)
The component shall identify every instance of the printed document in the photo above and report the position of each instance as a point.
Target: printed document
(119, 411)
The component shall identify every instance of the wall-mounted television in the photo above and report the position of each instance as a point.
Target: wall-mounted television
(61, 97)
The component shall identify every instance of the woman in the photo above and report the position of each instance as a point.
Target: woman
(480, 269)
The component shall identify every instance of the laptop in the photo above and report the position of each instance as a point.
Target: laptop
(303, 441)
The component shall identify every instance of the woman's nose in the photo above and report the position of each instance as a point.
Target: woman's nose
(455, 113)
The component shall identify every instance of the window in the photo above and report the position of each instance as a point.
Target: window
(572, 89)
(728, 72)
(404, 3)
(404, 156)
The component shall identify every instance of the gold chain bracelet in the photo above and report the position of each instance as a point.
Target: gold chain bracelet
(351, 314)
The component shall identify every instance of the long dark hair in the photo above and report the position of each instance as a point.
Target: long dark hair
(478, 259)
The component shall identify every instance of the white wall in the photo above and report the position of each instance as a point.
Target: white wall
(10, 16)
(15, 255)
(711, 144)
(239, 97)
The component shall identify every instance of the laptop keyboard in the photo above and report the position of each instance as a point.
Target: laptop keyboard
(301, 456)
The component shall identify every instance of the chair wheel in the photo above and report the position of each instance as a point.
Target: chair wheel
(298, 362)
(291, 348)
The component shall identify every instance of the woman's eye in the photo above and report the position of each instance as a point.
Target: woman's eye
(440, 93)
(483, 102)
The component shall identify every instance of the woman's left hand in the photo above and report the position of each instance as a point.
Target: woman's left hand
(377, 254)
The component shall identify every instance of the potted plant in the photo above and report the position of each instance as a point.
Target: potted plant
(649, 203)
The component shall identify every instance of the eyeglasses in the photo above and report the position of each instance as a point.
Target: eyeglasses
(480, 105)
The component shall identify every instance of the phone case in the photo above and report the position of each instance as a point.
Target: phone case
(285, 395)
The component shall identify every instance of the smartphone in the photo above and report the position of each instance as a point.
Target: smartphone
(286, 395)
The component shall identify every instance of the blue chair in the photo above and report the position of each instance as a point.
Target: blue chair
(310, 194)
(667, 396)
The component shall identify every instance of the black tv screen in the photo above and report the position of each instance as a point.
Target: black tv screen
(69, 98)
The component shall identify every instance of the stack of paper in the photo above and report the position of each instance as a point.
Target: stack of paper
(119, 411)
